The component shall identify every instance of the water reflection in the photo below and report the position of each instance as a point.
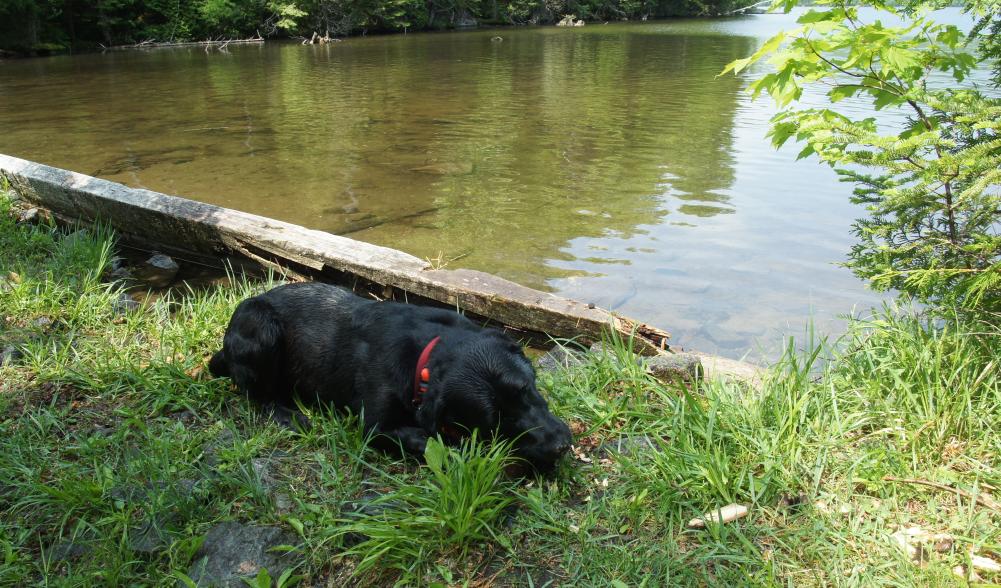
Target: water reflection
(606, 163)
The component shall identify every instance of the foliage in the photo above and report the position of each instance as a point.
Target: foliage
(51, 24)
(458, 505)
(932, 183)
(109, 416)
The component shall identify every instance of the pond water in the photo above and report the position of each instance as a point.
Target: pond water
(605, 163)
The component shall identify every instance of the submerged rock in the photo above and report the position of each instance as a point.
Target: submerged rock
(233, 551)
(158, 271)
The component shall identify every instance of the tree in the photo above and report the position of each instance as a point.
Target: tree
(932, 185)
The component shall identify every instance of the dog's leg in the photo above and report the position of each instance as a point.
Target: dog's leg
(288, 418)
(413, 440)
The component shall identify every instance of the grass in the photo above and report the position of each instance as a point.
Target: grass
(110, 430)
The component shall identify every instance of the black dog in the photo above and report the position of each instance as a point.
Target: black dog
(414, 372)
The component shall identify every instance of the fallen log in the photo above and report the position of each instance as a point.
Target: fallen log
(216, 235)
(150, 44)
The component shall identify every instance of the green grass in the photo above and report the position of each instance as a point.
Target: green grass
(110, 427)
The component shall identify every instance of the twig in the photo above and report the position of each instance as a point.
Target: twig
(981, 499)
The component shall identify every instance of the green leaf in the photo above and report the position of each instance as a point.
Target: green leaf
(839, 93)
(735, 66)
(813, 16)
(434, 456)
(901, 59)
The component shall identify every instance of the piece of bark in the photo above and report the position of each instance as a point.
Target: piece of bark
(728, 513)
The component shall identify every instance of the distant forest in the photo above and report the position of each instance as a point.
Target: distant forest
(46, 25)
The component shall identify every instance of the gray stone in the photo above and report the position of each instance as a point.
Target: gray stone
(233, 551)
(284, 503)
(672, 366)
(371, 503)
(600, 349)
(68, 550)
(103, 431)
(31, 216)
(42, 322)
(210, 454)
(10, 355)
(148, 539)
(560, 358)
(159, 270)
(264, 471)
(116, 263)
(183, 490)
(124, 304)
(120, 274)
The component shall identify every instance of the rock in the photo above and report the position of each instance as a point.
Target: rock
(159, 270)
(124, 304)
(148, 539)
(120, 274)
(103, 431)
(233, 551)
(628, 446)
(264, 470)
(671, 366)
(10, 355)
(32, 216)
(210, 454)
(68, 550)
(371, 503)
(41, 322)
(599, 349)
(560, 358)
(183, 490)
(284, 503)
(116, 263)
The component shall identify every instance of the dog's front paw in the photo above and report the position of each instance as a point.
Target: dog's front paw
(287, 418)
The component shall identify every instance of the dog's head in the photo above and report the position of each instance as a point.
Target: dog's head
(488, 384)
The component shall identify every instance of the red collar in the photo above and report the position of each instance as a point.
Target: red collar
(421, 375)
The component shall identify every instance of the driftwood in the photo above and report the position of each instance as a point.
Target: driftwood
(316, 39)
(214, 234)
(220, 43)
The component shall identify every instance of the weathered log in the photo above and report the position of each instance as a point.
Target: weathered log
(149, 44)
(214, 233)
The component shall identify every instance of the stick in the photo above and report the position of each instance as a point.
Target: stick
(981, 499)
